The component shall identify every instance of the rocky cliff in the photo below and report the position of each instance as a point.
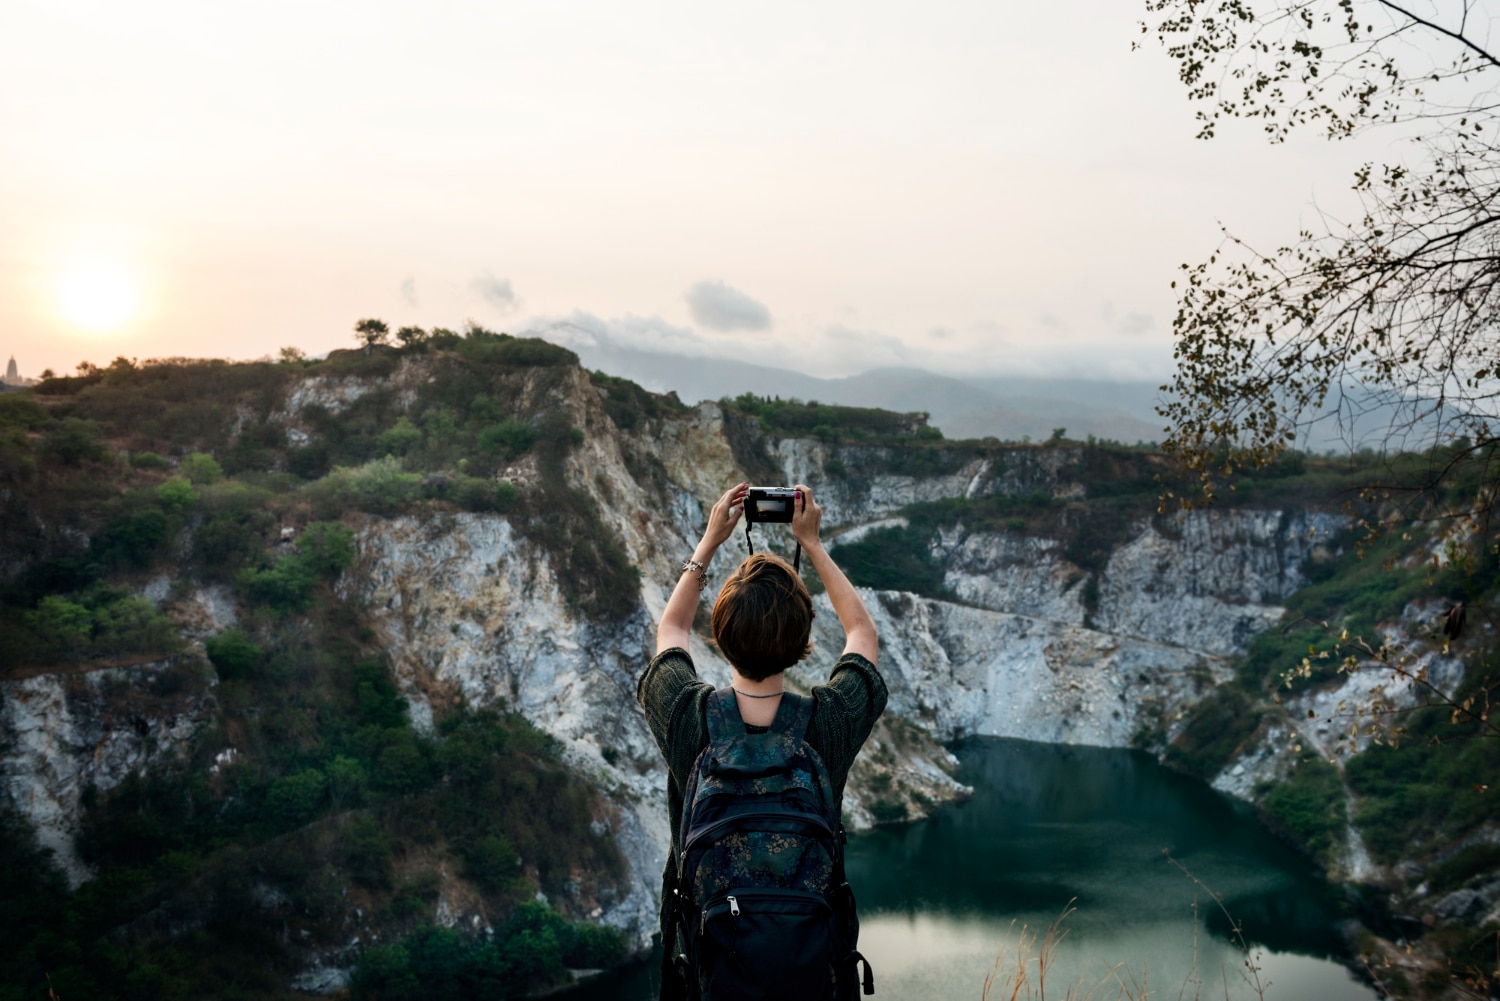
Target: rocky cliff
(473, 610)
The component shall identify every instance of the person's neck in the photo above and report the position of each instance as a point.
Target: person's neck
(774, 685)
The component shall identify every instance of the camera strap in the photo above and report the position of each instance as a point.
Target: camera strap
(750, 547)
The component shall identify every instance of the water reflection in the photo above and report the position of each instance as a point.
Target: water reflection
(1050, 824)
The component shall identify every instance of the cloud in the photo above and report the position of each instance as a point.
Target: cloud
(409, 291)
(1136, 324)
(940, 333)
(580, 330)
(497, 292)
(1052, 321)
(718, 307)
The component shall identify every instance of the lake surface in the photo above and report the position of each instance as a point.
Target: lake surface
(942, 898)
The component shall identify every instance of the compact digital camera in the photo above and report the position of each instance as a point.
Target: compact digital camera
(770, 504)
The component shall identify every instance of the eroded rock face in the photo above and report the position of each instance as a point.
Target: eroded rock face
(959, 671)
(63, 733)
(1209, 580)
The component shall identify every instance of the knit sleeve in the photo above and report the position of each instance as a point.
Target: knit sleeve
(847, 707)
(675, 704)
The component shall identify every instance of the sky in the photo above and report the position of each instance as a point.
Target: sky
(967, 187)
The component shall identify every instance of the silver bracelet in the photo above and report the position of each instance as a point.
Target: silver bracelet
(698, 569)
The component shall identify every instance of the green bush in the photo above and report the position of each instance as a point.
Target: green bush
(1218, 726)
(347, 781)
(400, 439)
(131, 540)
(75, 440)
(529, 951)
(508, 440)
(294, 799)
(149, 460)
(233, 532)
(378, 701)
(201, 469)
(99, 623)
(327, 548)
(794, 418)
(286, 586)
(1309, 806)
(1475, 860)
(379, 487)
(491, 863)
(367, 850)
(233, 654)
(21, 412)
(403, 766)
(894, 559)
(176, 496)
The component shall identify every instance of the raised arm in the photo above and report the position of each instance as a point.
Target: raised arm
(676, 624)
(860, 635)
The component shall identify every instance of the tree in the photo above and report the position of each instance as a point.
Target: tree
(1389, 317)
(372, 332)
(414, 338)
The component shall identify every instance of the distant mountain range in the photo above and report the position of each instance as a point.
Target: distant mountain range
(1008, 408)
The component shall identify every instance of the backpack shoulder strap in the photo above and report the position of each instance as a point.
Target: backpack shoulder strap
(792, 716)
(724, 721)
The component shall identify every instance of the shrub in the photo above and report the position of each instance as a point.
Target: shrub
(233, 654)
(65, 628)
(327, 548)
(149, 460)
(310, 462)
(508, 440)
(474, 494)
(293, 799)
(367, 852)
(132, 539)
(1217, 728)
(894, 559)
(376, 697)
(401, 438)
(347, 780)
(74, 440)
(285, 586)
(233, 532)
(21, 412)
(176, 496)
(491, 863)
(379, 487)
(403, 766)
(97, 623)
(201, 469)
(1309, 806)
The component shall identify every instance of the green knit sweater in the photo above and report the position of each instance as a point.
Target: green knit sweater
(676, 704)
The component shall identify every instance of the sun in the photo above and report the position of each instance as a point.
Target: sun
(98, 295)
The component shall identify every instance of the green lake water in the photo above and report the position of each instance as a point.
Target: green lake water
(940, 899)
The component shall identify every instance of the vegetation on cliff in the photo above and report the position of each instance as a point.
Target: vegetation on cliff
(184, 472)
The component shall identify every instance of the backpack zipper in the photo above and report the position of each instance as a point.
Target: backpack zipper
(819, 823)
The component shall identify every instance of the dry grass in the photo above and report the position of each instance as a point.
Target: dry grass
(1025, 959)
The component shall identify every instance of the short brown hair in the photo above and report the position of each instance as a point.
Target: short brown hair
(763, 617)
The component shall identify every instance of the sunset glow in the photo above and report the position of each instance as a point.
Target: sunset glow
(98, 296)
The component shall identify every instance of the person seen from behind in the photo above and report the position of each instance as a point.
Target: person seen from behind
(770, 945)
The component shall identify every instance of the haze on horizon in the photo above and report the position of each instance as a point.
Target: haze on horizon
(962, 187)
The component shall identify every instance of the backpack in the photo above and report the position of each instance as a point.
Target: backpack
(761, 904)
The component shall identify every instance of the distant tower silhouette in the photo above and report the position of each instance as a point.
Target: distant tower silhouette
(11, 375)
